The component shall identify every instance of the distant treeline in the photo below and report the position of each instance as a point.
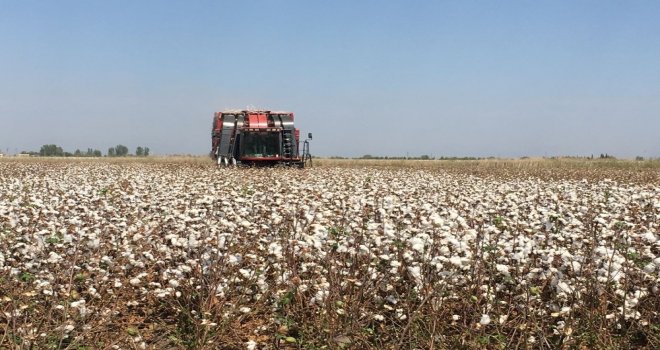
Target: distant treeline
(53, 150)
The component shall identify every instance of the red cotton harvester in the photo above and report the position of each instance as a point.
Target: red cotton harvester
(258, 138)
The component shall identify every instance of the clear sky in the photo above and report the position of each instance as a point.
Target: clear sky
(452, 78)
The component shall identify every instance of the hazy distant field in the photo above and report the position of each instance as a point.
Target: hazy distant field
(354, 254)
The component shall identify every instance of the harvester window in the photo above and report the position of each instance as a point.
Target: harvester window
(260, 144)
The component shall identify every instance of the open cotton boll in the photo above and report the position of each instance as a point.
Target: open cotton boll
(650, 267)
(650, 237)
(485, 320)
(503, 269)
(417, 244)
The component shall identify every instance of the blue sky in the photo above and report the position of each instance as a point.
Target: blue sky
(452, 78)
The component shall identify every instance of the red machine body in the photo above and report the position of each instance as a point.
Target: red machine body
(257, 137)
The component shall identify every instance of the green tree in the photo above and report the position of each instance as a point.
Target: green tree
(139, 151)
(97, 153)
(121, 150)
(146, 151)
(77, 153)
(51, 151)
(111, 152)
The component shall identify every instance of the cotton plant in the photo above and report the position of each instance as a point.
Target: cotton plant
(249, 244)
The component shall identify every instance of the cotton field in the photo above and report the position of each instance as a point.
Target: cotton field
(167, 255)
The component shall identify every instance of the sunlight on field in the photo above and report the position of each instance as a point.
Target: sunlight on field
(176, 253)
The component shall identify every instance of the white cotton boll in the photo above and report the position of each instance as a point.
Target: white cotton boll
(455, 317)
(485, 320)
(173, 283)
(364, 249)
(600, 250)
(390, 298)
(576, 266)
(94, 243)
(417, 244)
(78, 303)
(416, 273)
(389, 231)
(320, 296)
(650, 267)
(135, 281)
(54, 258)
(650, 237)
(235, 259)
(436, 220)
(640, 293)
(563, 287)
(379, 317)
(251, 345)
(503, 269)
(456, 261)
(275, 249)
(400, 314)
(193, 242)
(444, 250)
